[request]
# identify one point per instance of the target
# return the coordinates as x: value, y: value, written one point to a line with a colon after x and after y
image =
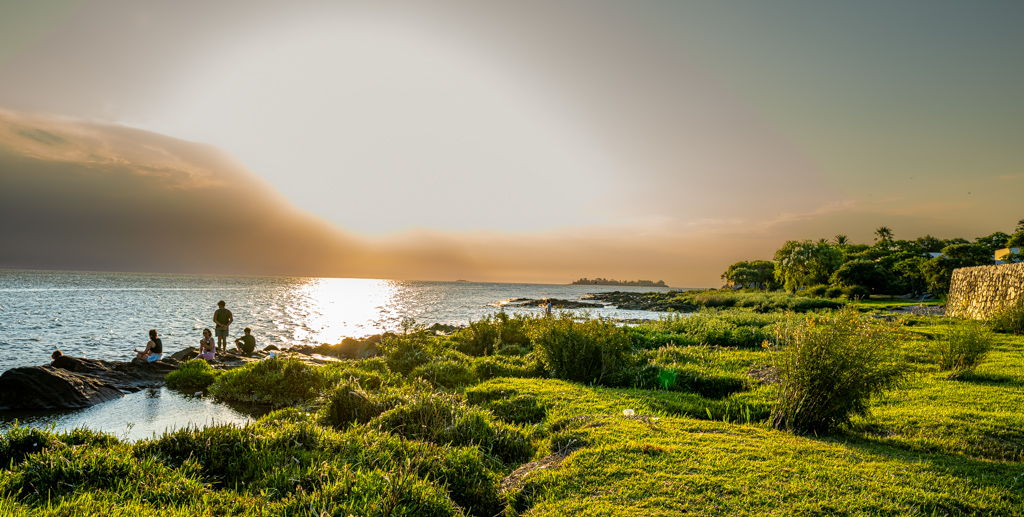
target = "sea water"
x: 106, y: 315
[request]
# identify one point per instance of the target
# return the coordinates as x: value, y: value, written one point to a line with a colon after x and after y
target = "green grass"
x: 192, y: 375
x: 373, y: 438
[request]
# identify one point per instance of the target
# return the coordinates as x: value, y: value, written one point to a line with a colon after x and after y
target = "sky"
x: 535, y: 141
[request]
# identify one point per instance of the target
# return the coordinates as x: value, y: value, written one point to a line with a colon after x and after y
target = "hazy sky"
x: 682, y: 135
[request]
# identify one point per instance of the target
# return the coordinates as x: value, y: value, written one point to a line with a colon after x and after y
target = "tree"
x: 804, y: 263
x: 860, y: 272
x: 1020, y: 226
x: 758, y: 274
x: 930, y: 244
x: 1016, y: 240
x: 910, y: 273
x: 939, y: 270
x: 841, y: 240
x: 883, y: 234
x: 994, y: 242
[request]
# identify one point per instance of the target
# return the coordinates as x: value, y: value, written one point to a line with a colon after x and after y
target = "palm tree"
x: 884, y: 233
x: 841, y: 240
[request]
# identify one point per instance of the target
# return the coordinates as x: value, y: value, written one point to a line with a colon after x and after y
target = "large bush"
x: 587, y: 351
x: 829, y: 367
x: 495, y: 333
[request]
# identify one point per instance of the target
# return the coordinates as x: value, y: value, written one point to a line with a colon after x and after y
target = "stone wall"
x: 977, y: 292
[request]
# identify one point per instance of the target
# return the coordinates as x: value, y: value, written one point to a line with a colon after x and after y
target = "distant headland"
x: 605, y: 281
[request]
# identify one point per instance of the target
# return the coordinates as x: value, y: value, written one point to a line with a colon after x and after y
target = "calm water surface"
x: 105, y: 315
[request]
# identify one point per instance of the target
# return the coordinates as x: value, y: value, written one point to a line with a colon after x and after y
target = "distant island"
x: 605, y: 281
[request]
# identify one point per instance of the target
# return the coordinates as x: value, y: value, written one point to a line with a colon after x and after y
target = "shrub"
x: 833, y: 292
x: 404, y: 352
x: 961, y: 348
x: 829, y: 367
x: 495, y: 333
x: 817, y: 291
x: 276, y: 381
x: 1009, y: 319
x: 589, y: 351
x: 857, y: 292
x: 192, y: 375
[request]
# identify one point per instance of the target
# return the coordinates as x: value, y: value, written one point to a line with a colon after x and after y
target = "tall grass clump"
x: 829, y: 367
x: 1009, y: 319
x: 961, y: 348
x: 449, y: 370
x: 195, y: 374
x: 276, y: 381
x: 585, y: 351
x: 489, y: 367
x: 498, y: 333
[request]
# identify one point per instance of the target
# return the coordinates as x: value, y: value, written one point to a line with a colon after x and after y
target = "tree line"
x: 888, y: 266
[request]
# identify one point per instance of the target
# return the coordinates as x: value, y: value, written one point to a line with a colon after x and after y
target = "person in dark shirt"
x: 154, y: 349
x: 246, y: 343
x: 223, y: 319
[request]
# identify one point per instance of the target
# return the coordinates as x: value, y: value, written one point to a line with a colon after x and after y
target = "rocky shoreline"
x: 653, y: 301
x: 76, y: 383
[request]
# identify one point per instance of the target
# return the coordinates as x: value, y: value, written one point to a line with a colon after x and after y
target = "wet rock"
x: 555, y: 303
x: 46, y: 387
x: 186, y: 354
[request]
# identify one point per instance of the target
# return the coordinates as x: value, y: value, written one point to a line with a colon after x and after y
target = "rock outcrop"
x: 72, y: 383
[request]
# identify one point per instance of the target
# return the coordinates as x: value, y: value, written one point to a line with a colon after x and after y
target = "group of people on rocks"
x: 222, y: 319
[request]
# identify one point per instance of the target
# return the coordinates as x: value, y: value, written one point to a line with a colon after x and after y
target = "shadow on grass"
x: 1006, y: 477
x: 991, y: 379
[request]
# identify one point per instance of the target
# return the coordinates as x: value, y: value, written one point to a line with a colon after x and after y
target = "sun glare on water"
x: 345, y: 307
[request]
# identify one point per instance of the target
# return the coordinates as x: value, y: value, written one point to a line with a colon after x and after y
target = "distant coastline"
x: 632, y: 283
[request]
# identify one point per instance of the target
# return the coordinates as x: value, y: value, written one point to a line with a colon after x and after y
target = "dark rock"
x: 186, y: 354
x: 73, y: 382
x: 271, y: 348
x: 653, y: 301
x: 555, y: 303
x: 47, y: 387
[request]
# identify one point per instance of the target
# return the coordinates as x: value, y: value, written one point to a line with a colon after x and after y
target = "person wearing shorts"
x: 223, y: 319
x: 154, y: 349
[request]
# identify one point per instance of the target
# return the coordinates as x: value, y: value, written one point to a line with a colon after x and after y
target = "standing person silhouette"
x: 222, y: 318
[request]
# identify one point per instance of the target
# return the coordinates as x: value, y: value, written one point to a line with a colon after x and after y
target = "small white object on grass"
x: 627, y: 412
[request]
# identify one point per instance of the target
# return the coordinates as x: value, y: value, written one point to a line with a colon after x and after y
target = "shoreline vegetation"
x: 754, y: 403
x: 631, y: 283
